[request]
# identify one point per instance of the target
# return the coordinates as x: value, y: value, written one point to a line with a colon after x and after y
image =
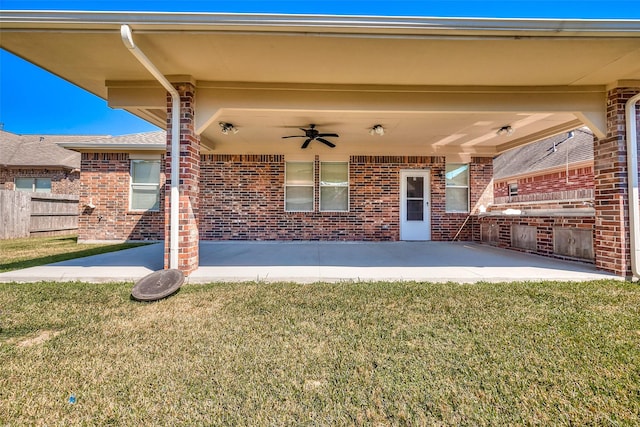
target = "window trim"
x: 467, y: 187
x: 510, y: 189
x: 348, y: 187
x: 146, y: 184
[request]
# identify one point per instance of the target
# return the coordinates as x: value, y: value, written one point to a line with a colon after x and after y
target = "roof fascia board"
x: 206, y: 84
x: 51, y: 167
x: 327, y: 24
x: 99, y: 147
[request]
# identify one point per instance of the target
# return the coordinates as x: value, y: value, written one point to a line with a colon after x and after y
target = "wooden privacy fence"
x: 37, y: 214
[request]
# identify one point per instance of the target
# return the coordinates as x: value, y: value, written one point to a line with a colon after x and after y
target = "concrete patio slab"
x: 307, y: 262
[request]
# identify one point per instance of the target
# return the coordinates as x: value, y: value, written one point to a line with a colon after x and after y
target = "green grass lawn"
x: 30, y: 252
x: 322, y: 354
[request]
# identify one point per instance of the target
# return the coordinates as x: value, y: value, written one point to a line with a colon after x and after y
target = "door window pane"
x: 415, y: 187
x: 415, y: 198
x: 415, y: 210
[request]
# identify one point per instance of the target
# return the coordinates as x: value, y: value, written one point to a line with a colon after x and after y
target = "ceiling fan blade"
x: 306, y: 143
x: 294, y: 136
x: 333, y: 135
x: 324, y: 141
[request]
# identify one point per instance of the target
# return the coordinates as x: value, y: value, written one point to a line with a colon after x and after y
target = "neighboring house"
x: 544, y: 197
x: 557, y: 168
x: 421, y: 107
x: 37, y: 163
x: 120, y: 187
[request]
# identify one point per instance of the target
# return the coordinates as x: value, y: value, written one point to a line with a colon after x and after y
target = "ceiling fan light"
x: 376, y: 130
x: 505, y: 130
x: 225, y: 128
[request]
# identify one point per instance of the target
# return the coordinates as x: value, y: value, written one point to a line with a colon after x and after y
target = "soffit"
x: 89, y: 60
x: 447, y: 134
x: 86, y: 49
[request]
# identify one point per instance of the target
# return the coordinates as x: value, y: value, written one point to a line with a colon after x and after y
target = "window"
x: 145, y: 185
x: 334, y: 186
x: 457, y: 187
x: 34, y: 185
x: 513, y: 189
x: 298, y: 187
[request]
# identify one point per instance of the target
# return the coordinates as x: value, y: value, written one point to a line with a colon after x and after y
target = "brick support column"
x: 189, y: 182
x: 612, y: 232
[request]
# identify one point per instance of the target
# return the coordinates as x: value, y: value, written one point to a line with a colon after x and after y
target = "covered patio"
x: 308, y: 262
x: 449, y: 94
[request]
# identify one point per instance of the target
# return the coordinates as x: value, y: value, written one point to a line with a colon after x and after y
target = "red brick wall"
x: 105, y: 181
x: 62, y: 182
x: 612, y: 246
x: 579, y: 178
x: 189, y: 185
x: 544, y: 230
x: 242, y: 198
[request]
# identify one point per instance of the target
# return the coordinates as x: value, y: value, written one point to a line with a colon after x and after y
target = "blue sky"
x: 30, y: 98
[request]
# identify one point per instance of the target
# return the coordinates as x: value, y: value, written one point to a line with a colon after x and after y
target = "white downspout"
x: 632, y: 172
x: 127, y: 39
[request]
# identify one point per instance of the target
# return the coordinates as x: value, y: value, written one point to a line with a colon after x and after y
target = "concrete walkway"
x: 306, y: 262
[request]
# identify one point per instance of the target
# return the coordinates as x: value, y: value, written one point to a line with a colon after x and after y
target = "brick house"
x: 414, y: 111
x: 37, y: 163
x: 544, y: 197
x: 556, y: 168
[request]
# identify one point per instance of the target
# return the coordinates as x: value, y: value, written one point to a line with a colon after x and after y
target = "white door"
x: 415, y: 212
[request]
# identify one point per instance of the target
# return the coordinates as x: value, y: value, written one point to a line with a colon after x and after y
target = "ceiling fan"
x: 313, y: 134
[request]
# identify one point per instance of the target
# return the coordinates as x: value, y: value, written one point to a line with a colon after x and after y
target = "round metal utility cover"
x: 157, y: 285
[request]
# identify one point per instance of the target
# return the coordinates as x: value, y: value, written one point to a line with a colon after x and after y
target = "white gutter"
x: 322, y: 24
x: 127, y: 39
x: 632, y: 173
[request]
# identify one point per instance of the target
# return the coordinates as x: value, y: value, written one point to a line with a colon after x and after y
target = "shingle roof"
x: 56, y: 150
x: 39, y: 151
x: 539, y: 156
x: 147, y: 140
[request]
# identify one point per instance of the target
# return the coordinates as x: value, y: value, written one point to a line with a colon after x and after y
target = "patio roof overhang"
x: 439, y: 86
